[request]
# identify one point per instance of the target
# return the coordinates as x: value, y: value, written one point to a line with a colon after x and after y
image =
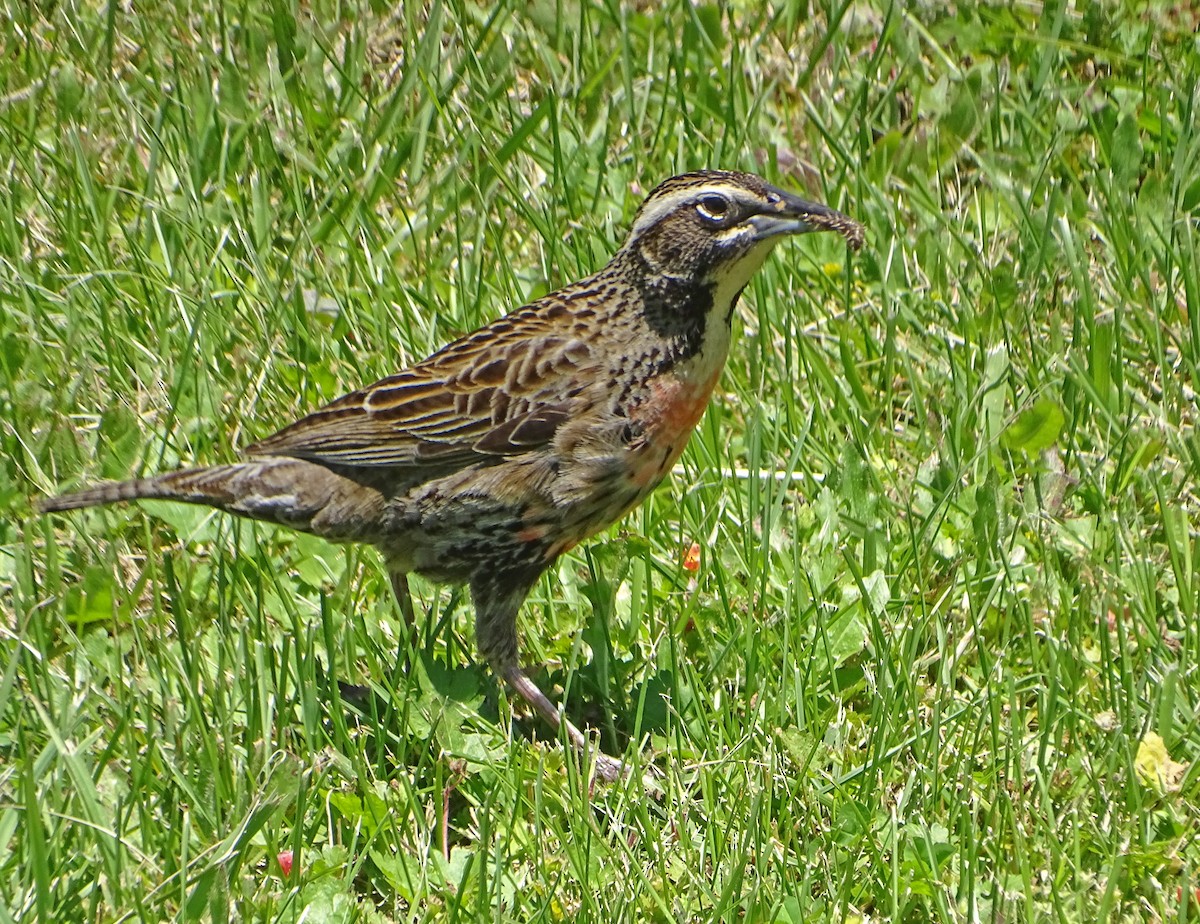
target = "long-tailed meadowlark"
x: 488, y: 460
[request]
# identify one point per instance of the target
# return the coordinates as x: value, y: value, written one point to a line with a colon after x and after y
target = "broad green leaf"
x: 1036, y: 428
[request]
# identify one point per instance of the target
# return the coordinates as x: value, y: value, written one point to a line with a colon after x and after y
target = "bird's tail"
x: 195, y: 486
x: 291, y: 492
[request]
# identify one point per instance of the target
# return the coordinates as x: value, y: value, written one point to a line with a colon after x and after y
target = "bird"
x: 484, y: 463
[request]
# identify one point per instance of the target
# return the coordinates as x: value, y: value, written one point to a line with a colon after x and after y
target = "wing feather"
x: 503, y: 390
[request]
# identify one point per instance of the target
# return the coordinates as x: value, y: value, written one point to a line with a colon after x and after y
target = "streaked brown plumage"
x: 485, y: 462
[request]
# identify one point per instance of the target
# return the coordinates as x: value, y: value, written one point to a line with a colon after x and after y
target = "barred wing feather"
x: 476, y: 398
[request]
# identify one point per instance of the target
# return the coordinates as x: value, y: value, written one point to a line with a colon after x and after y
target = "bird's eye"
x: 714, y: 208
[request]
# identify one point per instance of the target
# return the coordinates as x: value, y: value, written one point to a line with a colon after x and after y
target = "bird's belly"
x: 610, y: 485
x: 503, y: 512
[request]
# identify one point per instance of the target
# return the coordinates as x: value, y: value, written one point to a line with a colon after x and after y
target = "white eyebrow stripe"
x: 666, y: 204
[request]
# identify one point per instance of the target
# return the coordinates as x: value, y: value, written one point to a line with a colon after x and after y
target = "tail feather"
x: 193, y: 486
x: 290, y: 492
x: 108, y: 492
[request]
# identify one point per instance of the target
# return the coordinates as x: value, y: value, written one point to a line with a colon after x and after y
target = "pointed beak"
x: 786, y: 213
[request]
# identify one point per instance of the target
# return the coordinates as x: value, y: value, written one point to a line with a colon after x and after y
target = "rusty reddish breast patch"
x: 668, y: 418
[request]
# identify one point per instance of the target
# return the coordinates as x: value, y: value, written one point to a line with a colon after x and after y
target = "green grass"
x: 946, y: 500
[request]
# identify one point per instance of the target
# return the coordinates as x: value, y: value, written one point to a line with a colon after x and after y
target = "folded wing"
x: 501, y: 391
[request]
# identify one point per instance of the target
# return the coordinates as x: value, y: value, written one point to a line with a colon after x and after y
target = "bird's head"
x: 714, y: 225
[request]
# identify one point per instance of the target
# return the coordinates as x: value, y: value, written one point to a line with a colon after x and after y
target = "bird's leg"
x: 608, y: 768
x: 497, y: 599
x: 404, y: 601
x: 403, y: 596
